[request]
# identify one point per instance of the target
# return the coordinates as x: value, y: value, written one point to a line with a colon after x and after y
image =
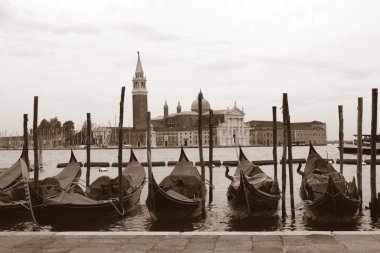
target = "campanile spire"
x: 139, y: 97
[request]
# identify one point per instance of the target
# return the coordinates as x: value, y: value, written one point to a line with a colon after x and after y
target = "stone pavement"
x: 107, y: 242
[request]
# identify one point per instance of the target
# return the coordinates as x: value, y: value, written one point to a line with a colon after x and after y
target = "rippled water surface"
x: 218, y: 212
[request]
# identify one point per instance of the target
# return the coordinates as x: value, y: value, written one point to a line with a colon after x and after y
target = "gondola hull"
x: 68, y: 214
x: 247, y: 201
x: 19, y: 210
x: 332, y: 207
x: 164, y: 207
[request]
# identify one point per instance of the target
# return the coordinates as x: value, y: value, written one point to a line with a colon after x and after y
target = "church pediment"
x: 235, y: 111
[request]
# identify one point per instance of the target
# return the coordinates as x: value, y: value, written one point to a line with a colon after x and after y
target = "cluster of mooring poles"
x: 287, y: 139
x: 88, y: 145
x: 373, y: 203
x: 287, y: 157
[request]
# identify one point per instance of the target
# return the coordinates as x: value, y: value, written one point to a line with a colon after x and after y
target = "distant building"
x: 101, y: 136
x: 181, y: 128
x: 302, y: 133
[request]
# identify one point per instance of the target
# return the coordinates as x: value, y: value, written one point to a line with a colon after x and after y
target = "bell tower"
x: 139, y: 97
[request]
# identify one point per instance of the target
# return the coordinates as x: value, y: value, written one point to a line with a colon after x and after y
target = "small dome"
x: 205, y: 105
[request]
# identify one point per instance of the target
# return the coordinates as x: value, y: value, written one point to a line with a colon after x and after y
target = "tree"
x: 68, y: 130
x: 55, y: 125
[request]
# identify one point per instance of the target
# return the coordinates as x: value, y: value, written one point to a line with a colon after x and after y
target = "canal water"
x: 218, y: 213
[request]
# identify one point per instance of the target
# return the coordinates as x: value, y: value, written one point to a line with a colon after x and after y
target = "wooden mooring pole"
x: 200, y: 98
x: 120, y: 149
x: 359, y: 151
x: 88, y: 149
x: 341, y: 137
x: 274, y: 111
x: 283, y: 171
x: 290, y: 155
x: 373, y: 152
x: 210, y: 155
x: 26, y: 141
x: 35, y: 143
x: 149, y: 152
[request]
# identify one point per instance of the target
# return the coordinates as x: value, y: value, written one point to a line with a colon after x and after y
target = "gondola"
x: 99, y: 204
x: 178, y: 196
x: 251, y: 193
x: 13, y: 203
x: 325, y: 193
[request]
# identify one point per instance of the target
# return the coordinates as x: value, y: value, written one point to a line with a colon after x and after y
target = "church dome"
x: 205, y: 105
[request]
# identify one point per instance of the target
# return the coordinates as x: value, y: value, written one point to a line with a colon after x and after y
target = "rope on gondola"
x: 116, y: 208
x: 24, y: 205
x: 208, y: 182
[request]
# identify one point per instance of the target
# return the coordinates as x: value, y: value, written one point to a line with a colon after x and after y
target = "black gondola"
x: 99, y: 205
x: 178, y: 196
x: 13, y: 203
x: 252, y: 193
x: 325, y: 193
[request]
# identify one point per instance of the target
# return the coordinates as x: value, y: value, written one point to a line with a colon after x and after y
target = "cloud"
x: 223, y: 65
x: 6, y: 12
x: 146, y: 32
x: 322, y: 66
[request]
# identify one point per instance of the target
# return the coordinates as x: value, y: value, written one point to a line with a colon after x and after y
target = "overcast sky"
x: 76, y: 55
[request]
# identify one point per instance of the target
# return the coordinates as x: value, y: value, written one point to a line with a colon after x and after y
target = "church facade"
x: 181, y: 128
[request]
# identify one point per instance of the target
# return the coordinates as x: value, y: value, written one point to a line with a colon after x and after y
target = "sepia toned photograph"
x: 189, y: 126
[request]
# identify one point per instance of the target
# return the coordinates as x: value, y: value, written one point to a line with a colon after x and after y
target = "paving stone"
x: 292, y: 240
x: 233, y: 245
x: 362, y: 243
x: 208, y: 237
x: 338, y: 247
x: 137, y: 246
x: 92, y: 250
x: 105, y: 241
x: 264, y: 244
x: 198, y: 251
x: 322, y: 239
x: 202, y: 245
x: 168, y: 247
x: 36, y: 242
x: 130, y: 251
x: 174, y: 242
x: 11, y: 242
x: 331, y: 251
x: 233, y: 251
x: 256, y: 238
x: 376, y: 237
x: 235, y: 238
x: 144, y: 239
x: 164, y: 251
x: 65, y: 243
x: 54, y: 250
x: 299, y: 249
x: 20, y: 250
x: 204, y: 239
x: 267, y: 249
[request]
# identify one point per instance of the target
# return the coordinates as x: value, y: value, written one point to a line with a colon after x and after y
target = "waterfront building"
x: 261, y: 133
x: 101, y: 136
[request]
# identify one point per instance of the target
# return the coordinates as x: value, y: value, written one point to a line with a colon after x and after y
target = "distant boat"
x: 366, y: 146
x: 102, y: 169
